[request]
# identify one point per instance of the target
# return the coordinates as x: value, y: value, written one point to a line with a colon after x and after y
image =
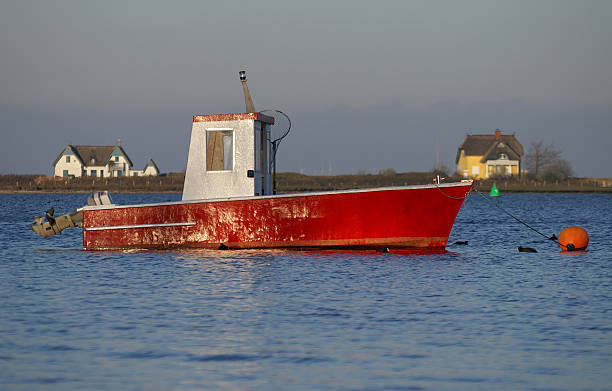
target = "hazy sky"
x: 368, y: 85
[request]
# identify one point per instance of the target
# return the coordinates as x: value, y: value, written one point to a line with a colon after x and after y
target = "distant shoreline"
x: 288, y: 182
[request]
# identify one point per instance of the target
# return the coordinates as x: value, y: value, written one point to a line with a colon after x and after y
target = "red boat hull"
x: 396, y: 218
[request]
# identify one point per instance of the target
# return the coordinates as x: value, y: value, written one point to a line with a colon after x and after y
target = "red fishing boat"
x: 229, y: 202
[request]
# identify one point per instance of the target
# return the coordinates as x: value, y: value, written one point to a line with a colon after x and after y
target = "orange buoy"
x: 573, y: 238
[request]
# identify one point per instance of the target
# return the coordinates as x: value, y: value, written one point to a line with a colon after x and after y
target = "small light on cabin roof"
x: 242, y: 75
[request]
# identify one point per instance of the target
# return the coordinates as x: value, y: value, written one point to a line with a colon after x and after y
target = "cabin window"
x: 67, y: 159
x: 219, y: 150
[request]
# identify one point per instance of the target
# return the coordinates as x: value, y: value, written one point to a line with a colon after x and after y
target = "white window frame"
x: 233, y: 153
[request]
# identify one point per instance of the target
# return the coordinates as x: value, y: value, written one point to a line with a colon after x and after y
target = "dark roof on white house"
x: 151, y: 163
x: 93, y: 155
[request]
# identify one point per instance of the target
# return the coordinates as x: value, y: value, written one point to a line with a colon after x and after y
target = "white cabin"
x: 229, y: 156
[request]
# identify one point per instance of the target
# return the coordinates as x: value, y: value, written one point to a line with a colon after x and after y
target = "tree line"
x: 544, y: 162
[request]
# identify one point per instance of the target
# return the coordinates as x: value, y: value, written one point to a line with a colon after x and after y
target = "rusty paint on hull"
x: 396, y: 218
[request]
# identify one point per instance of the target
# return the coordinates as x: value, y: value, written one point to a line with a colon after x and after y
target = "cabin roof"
x: 233, y: 117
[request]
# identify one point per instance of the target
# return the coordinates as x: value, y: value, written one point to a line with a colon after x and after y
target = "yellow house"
x: 481, y: 156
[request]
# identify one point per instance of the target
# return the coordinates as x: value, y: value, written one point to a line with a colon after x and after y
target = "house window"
x: 135, y: 174
x: 503, y: 156
x: 116, y: 158
x: 67, y: 159
x: 65, y: 173
x: 83, y: 173
x: 92, y: 173
x: 119, y: 173
x: 101, y: 173
x: 475, y: 170
x: 219, y: 150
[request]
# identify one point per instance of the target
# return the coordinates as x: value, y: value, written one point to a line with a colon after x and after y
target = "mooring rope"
x: 553, y: 237
x: 450, y: 196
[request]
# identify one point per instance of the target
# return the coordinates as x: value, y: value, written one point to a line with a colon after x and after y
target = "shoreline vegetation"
x: 289, y: 182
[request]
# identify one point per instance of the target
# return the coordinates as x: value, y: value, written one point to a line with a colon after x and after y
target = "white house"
x: 98, y: 161
x: 149, y: 170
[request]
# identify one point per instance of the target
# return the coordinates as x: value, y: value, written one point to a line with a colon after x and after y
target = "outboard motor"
x: 55, y: 225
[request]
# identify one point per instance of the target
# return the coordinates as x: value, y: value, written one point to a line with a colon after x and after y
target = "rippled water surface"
x: 478, y: 317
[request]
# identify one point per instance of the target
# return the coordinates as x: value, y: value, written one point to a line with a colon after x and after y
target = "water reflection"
x: 479, y: 316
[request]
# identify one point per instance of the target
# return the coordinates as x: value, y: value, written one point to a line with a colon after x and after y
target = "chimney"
x: 119, y: 143
x: 250, y: 108
x: 498, y: 134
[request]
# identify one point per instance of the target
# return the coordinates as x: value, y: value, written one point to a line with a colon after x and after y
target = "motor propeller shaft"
x: 55, y: 225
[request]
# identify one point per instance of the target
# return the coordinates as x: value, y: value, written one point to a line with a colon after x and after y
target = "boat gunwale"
x: 287, y: 195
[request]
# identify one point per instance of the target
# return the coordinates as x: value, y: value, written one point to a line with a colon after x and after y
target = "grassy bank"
x: 288, y: 182
x: 572, y: 185
x: 169, y: 183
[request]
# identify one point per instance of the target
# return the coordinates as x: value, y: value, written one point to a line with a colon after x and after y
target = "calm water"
x: 479, y: 317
